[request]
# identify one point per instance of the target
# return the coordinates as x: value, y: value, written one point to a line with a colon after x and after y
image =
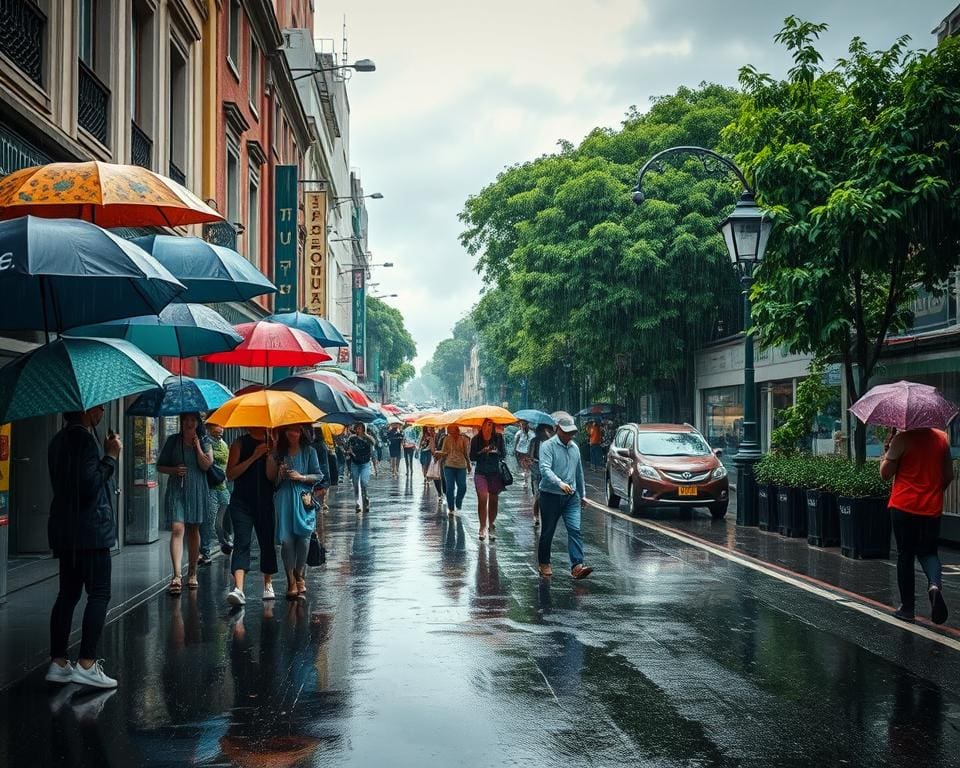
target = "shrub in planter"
x: 794, y: 475
x: 862, y: 504
x: 823, y: 517
x: 766, y: 474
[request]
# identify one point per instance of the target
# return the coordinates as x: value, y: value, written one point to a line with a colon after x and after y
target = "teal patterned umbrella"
x: 73, y: 374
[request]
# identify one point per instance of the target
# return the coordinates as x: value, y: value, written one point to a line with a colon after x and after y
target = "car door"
x: 618, y: 463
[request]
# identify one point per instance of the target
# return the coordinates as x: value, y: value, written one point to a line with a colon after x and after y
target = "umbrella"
x: 318, y: 392
x: 599, y: 409
x: 271, y: 345
x: 474, y: 417
x: 904, y: 405
x: 102, y: 193
x: 74, y: 374
x: 267, y: 408
x: 346, y: 418
x: 341, y: 384
x: 535, y: 418
x: 210, y: 272
x: 61, y: 273
x: 181, y: 394
x: 180, y: 330
x: 439, y: 419
x: 390, y: 408
x: 320, y: 329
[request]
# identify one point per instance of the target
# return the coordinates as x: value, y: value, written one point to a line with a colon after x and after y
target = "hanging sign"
x: 315, y: 266
x: 285, y: 238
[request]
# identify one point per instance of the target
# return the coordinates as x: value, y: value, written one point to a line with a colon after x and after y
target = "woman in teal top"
x: 294, y: 469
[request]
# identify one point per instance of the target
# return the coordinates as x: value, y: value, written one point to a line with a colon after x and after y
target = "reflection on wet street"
x: 418, y: 645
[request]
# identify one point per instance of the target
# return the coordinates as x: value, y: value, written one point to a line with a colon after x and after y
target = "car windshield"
x: 672, y: 444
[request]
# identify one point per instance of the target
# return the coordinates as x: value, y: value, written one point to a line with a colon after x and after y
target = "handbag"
x: 215, y: 476
x: 506, y: 476
x: 316, y: 553
x: 433, y: 471
x: 306, y: 498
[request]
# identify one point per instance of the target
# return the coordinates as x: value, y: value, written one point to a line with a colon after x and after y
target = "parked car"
x: 665, y: 465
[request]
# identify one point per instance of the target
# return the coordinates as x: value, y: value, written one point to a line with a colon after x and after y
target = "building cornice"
x: 235, y: 119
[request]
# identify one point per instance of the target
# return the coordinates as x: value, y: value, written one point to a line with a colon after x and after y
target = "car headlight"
x: 720, y: 472
x: 648, y: 472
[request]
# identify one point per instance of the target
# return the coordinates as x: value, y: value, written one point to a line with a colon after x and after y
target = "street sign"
x: 315, y: 277
x: 359, y: 322
x: 285, y: 240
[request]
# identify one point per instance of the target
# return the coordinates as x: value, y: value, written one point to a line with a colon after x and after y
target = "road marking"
x: 827, y: 592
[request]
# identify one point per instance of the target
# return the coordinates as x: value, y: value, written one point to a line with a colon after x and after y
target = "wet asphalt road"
x: 420, y: 646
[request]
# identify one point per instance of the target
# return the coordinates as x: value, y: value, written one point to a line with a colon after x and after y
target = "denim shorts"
x: 488, y: 483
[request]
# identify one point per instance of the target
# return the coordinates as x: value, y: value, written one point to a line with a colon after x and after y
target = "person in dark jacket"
x: 487, y: 450
x: 81, y: 531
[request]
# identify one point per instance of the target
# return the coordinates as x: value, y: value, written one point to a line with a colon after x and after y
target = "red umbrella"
x: 904, y: 405
x: 271, y: 345
x: 390, y: 408
x: 341, y: 384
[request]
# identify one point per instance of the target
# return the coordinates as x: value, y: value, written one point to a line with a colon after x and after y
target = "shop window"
x: 723, y: 419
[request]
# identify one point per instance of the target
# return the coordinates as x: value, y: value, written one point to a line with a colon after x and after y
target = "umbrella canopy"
x: 341, y: 384
x: 180, y: 330
x: 904, y: 405
x: 599, y: 409
x: 318, y: 392
x: 535, y: 418
x: 210, y: 272
x: 474, y: 417
x: 346, y: 418
x: 181, y: 394
x: 271, y: 345
x: 63, y: 273
x: 74, y: 375
x: 102, y: 193
x: 320, y: 329
x: 390, y: 408
x: 439, y: 419
x: 267, y: 408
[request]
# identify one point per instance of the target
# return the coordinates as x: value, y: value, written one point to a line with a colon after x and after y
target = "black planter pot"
x: 823, y: 519
x: 791, y: 512
x: 864, y: 527
x: 767, y: 507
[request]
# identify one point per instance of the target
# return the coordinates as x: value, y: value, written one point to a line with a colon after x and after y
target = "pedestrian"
x: 328, y: 452
x: 487, y: 450
x: 360, y: 449
x: 251, y: 511
x: 521, y: 448
x: 81, y: 532
x: 439, y: 435
x: 409, y: 446
x: 185, y: 457
x: 562, y: 495
x: 542, y: 434
x: 377, y: 450
x: 455, y: 455
x: 217, y: 523
x: 919, y: 462
x: 395, y: 441
x: 595, y: 436
x: 294, y: 469
x: 426, y: 448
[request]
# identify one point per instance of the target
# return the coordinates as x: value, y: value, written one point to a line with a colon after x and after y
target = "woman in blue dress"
x: 294, y: 470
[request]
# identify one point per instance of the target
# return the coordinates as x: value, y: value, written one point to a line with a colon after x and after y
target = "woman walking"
x: 395, y: 441
x: 427, y: 447
x: 251, y: 511
x: 219, y: 520
x: 543, y: 433
x: 455, y: 455
x: 295, y: 470
x: 409, y: 446
x: 186, y: 457
x: 487, y: 449
x: 360, y: 448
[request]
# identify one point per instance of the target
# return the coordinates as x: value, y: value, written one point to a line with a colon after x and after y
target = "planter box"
x: 767, y: 507
x: 791, y: 512
x: 823, y: 519
x: 864, y: 528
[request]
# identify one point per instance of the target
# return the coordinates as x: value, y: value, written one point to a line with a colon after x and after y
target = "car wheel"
x: 718, y: 511
x: 636, y: 508
x: 613, y: 500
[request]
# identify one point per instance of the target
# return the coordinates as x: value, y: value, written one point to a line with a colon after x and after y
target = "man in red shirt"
x: 920, y: 464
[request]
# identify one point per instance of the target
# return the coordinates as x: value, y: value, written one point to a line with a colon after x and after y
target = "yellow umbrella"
x: 267, y: 408
x: 474, y: 417
x: 435, y: 419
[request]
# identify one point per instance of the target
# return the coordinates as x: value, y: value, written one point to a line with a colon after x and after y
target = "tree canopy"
x: 387, y: 334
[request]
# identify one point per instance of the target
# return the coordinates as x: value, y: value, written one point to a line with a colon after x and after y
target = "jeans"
x: 916, y: 537
x: 293, y: 552
x: 596, y: 456
x: 360, y: 474
x: 455, y: 481
x: 333, y: 468
x: 553, y: 506
x: 83, y: 569
x: 245, y: 522
x: 217, y: 522
x: 408, y: 459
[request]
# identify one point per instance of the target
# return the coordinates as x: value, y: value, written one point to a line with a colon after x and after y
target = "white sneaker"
x: 268, y: 593
x: 236, y: 597
x: 94, y: 677
x: 58, y: 674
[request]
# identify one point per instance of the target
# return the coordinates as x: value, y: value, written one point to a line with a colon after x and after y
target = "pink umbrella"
x: 904, y: 405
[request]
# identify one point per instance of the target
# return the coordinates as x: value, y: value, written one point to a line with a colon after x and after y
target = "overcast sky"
x: 464, y: 89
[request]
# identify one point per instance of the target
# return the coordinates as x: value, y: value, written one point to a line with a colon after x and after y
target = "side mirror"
x: 718, y: 452
x: 622, y: 451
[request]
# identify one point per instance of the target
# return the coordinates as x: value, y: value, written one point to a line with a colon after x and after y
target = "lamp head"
x: 377, y: 196
x: 747, y: 231
x: 364, y: 65
x: 637, y: 196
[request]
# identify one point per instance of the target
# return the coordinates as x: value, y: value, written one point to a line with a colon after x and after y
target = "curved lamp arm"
x: 712, y: 163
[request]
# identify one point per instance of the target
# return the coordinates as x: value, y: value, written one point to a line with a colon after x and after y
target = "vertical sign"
x: 315, y: 277
x: 4, y: 475
x: 359, y: 321
x: 285, y: 238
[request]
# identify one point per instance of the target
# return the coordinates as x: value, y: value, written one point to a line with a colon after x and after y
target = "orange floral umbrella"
x: 106, y: 194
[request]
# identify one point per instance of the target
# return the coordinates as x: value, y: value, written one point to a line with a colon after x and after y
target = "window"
x: 233, y: 183
x: 233, y: 32
x: 672, y: 444
x: 252, y: 231
x: 254, y: 74
x: 178, y: 115
x: 88, y: 34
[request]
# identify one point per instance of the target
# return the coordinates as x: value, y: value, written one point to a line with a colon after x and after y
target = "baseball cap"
x: 566, y: 424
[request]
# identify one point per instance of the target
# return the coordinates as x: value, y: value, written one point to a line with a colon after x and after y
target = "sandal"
x: 192, y: 582
x: 176, y: 586
x: 301, y: 587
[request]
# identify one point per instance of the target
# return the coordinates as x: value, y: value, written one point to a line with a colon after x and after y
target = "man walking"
x: 81, y: 532
x: 562, y: 494
x: 596, y: 440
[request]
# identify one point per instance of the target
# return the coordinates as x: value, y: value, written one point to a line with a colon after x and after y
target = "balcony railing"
x: 93, y: 104
x: 141, y: 147
x: 176, y: 174
x: 22, y: 27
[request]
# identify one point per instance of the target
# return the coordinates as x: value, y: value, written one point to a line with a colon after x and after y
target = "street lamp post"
x: 746, y: 232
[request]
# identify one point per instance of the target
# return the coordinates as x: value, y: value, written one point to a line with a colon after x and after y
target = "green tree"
x: 388, y: 336
x: 860, y: 166
x: 451, y: 355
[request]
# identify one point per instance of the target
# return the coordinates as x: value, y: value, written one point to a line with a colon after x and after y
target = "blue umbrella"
x: 74, y: 374
x: 210, y: 272
x: 180, y: 330
x: 60, y: 273
x: 181, y: 395
x: 534, y: 417
x: 319, y: 328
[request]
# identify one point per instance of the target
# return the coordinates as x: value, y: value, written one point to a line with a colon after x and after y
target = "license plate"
x: 687, y: 490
